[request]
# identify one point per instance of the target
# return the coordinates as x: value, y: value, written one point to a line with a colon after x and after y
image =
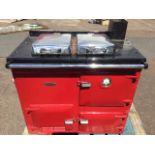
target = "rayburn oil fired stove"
x: 76, y: 82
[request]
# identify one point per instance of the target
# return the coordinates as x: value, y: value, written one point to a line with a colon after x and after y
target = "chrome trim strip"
x: 87, y: 66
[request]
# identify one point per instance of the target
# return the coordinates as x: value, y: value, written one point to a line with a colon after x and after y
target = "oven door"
x: 102, y: 120
x: 107, y: 90
x: 33, y: 90
x: 49, y: 119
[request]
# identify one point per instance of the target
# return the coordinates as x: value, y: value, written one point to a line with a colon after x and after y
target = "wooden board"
x: 134, y: 125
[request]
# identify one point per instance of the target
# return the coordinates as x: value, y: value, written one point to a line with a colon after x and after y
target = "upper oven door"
x: 46, y: 90
x: 107, y: 90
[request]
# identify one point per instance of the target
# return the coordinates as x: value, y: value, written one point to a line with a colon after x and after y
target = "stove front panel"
x: 83, y: 102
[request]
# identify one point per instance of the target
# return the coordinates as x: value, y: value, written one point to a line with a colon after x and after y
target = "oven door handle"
x: 84, y: 84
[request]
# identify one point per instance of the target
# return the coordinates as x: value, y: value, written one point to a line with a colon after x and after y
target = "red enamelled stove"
x: 76, y: 82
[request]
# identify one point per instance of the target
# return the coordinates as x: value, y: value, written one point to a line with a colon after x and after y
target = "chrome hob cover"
x: 59, y: 44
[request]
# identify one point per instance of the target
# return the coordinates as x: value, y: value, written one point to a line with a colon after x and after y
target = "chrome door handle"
x: 84, y: 84
x: 83, y: 122
x: 69, y: 122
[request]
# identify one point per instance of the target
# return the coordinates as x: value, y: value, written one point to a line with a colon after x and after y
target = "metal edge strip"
x: 86, y: 66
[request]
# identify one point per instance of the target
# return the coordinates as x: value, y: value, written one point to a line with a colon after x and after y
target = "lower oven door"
x: 102, y: 120
x: 49, y: 119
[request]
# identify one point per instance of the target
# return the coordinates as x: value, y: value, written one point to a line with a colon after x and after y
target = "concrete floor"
x: 142, y: 35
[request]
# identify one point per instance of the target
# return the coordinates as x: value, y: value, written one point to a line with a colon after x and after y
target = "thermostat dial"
x: 106, y: 82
